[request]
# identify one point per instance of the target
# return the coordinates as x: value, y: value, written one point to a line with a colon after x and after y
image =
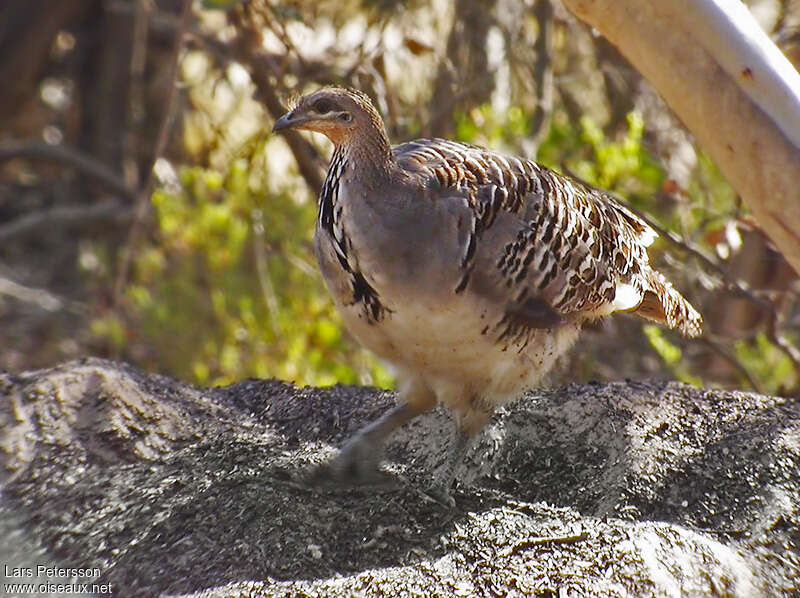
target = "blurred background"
x: 147, y: 213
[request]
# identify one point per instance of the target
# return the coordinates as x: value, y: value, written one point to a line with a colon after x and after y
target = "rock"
x: 617, y: 489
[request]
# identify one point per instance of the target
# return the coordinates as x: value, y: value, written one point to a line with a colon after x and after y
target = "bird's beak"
x: 289, y: 120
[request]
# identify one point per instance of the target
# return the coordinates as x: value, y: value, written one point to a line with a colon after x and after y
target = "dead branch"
x: 39, y: 297
x: 29, y: 225
x: 68, y: 156
x: 542, y: 71
x: 166, y: 24
x: 247, y: 51
x: 143, y: 195
x: 720, y: 350
x: 465, y: 61
x: 543, y: 540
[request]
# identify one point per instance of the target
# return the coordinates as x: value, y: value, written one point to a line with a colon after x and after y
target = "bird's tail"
x: 665, y: 305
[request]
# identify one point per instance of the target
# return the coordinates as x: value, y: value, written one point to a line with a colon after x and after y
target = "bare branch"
x: 62, y: 217
x: 465, y: 61
x: 543, y: 71
x: 543, y: 540
x: 39, y: 297
x: 774, y: 335
x: 248, y: 51
x: 164, y: 23
x: 308, y: 159
x: 720, y: 350
x: 143, y: 195
x: 68, y: 156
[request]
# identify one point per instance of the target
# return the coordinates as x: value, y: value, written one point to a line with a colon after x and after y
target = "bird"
x: 469, y: 272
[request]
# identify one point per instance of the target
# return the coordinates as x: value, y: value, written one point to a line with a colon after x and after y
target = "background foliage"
x: 205, y: 269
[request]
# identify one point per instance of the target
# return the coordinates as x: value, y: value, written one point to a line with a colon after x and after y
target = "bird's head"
x: 340, y: 114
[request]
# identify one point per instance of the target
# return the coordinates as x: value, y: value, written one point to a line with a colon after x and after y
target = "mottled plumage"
x: 469, y: 271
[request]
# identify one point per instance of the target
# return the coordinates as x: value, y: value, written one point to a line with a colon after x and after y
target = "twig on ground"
x: 539, y: 541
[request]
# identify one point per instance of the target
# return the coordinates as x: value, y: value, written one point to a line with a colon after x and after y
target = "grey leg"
x: 440, y: 490
x: 468, y: 424
x: 358, y: 459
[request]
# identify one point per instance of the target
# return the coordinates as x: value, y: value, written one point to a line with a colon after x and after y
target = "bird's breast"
x: 422, y: 324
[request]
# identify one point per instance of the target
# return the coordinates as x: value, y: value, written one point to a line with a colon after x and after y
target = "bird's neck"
x: 369, y: 154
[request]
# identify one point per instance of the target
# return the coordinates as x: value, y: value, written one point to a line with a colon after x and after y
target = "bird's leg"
x: 467, y: 426
x: 357, y: 461
x: 440, y: 490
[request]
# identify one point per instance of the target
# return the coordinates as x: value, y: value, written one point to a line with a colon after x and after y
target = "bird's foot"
x: 356, y: 464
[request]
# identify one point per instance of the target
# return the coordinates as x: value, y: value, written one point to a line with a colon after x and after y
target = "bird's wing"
x: 547, y: 246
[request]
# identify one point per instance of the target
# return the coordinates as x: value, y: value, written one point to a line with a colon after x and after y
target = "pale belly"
x: 456, y: 351
x: 448, y: 341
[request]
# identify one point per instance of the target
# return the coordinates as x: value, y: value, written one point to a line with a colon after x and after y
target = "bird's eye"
x: 346, y: 117
x: 323, y: 106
